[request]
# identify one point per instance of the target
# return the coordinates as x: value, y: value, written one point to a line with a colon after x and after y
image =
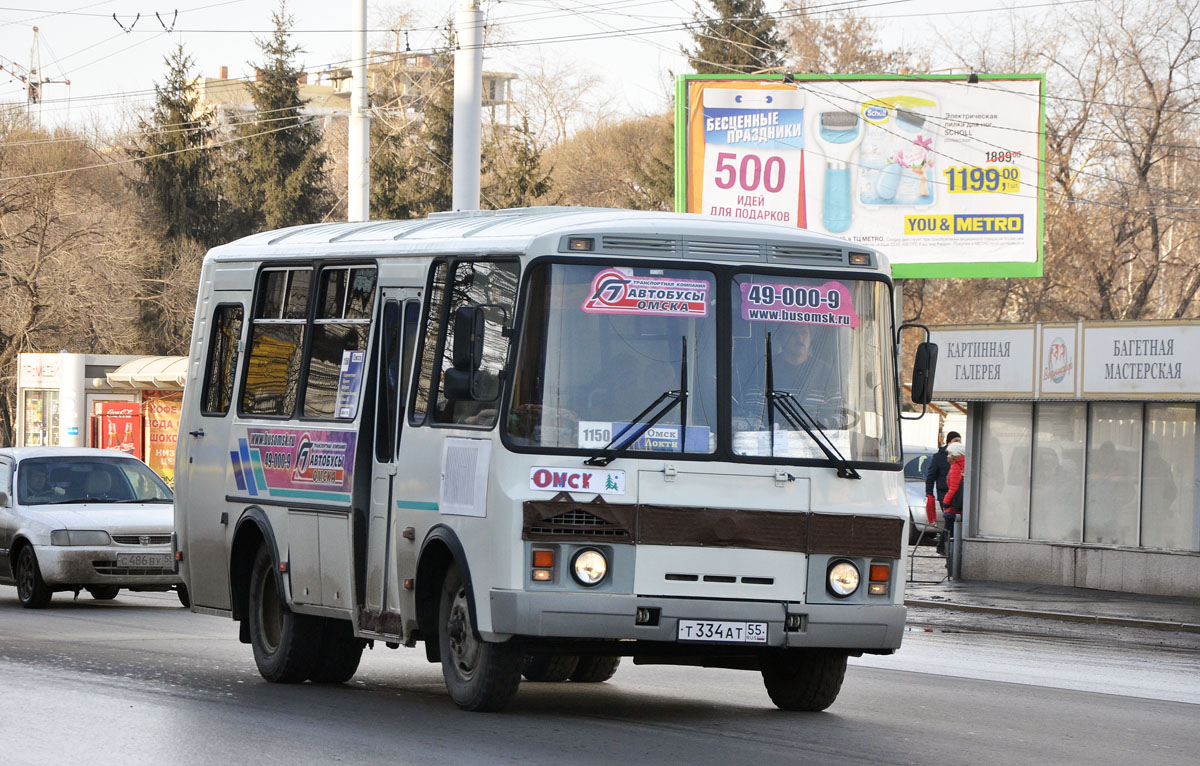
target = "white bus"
x: 542, y: 440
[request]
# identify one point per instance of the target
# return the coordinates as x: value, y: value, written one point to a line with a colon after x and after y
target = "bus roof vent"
x: 732, y: 249
x: 793, y: 253
x: 639, y: 245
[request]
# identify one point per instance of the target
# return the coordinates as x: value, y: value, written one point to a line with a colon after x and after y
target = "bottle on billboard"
x: 110, y: 442
x: 127, y: 439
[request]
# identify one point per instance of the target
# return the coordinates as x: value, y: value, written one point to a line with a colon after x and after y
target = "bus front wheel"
x: 804, y: 679
x: 285, y: 643
x: 480, y: 675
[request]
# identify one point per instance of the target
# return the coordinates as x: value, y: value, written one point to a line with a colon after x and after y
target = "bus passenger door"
x: 400, y: 316
x: 203, y: 465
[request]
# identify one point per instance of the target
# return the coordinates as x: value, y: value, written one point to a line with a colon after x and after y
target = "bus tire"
x: 480, y: 675
x: 185, y: 598
x: 549, y: 668
x: 103, y: 592
x: 340, y: 653
x: 285, y: 643
x: 804, y: 679
x: 32, y: 591
x: 595, y: 670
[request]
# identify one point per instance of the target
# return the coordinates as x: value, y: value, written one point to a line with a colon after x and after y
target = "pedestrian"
x: 936, y: 474
x: 952, y: 502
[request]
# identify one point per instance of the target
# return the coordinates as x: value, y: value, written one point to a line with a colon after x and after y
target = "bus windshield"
x: 830, y: 353
x: 601, y: 343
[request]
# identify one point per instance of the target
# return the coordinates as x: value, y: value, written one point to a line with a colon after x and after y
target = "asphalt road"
x: 142, y: 681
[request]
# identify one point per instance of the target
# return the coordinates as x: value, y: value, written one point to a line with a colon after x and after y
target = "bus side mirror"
x: 924, y: 367
x: 464, y: 380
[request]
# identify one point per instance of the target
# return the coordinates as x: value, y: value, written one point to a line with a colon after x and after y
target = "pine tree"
x: 411, y: 174
x: 177, y: 167
x: 277, y: 175
x: 516, y: 178
x: 740, y: 38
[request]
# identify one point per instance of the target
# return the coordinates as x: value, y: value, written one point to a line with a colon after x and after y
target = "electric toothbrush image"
x: 840, y: 133
x: 897, y: 154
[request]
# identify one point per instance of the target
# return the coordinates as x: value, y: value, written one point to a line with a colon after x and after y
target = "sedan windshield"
x: 76, y: 479
x: 604, y: 347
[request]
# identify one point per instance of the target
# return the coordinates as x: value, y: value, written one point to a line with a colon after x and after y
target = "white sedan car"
x: 77, y: 518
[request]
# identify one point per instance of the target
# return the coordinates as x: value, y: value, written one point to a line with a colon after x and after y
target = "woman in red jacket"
x: 952, y: 501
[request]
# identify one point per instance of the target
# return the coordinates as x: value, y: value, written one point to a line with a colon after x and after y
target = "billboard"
x: 943, y: 175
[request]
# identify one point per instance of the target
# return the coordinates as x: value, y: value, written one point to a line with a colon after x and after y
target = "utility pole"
x: 32, y: 77
x: 358, y: 197
x: 468, y: 109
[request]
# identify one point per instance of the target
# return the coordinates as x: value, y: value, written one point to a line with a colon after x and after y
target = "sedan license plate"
x: 144, y: 560
x: 727, y: 632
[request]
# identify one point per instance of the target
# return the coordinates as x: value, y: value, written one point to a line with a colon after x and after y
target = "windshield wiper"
x: 677, y: 397
x: 798, y: 417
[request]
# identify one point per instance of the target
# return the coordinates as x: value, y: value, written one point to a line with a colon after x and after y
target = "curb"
x: 1126, y: 622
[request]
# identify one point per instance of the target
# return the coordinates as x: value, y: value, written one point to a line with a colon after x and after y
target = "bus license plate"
x: 144, y: 560
x: 728, y: 632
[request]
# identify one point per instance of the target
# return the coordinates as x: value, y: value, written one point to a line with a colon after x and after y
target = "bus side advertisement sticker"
x: 280, y: 462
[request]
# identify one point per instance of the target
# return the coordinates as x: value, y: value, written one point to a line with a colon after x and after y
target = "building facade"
x: 1082, y: 452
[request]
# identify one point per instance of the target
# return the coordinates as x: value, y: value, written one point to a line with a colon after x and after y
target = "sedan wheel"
x: 32, y: 591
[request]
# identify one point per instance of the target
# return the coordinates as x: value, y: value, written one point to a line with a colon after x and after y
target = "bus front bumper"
x: 855, y: 627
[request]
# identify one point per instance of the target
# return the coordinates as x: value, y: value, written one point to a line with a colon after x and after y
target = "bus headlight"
x: 589, y: 567
x: 843, y: 578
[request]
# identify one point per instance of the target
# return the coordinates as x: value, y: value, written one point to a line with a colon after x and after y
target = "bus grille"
x: 578, y: 522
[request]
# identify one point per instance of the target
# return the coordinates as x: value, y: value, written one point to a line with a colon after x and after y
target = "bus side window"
x: 492, y: 284
x: 276, y: 342
x: 337, y: 360
x: 434, y: 318
x: 222, y: 360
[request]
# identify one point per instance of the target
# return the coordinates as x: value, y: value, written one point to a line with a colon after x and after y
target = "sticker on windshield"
x: 596, y: 434
x: 828, y: 304
x: 614, y: 292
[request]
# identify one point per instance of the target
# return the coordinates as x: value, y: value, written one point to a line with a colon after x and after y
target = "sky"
x: 112, y: 51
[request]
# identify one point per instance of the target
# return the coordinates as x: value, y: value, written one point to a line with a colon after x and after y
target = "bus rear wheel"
x: 285, y: 643
x: 340, y: 653
x: 549, y: 667
x: 480, y: 675
x: 595, y: 670
x: 804, y: 679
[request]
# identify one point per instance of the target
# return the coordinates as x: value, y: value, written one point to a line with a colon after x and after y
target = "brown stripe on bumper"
x: 563, y: 519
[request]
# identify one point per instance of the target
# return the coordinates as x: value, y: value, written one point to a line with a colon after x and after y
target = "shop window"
x: 1003, y: 479
x: 41, y: 419
x: 222, y: 360
x: 337, y: 361
x: 1113, y: 474
x: 1168, y: 474
x: 277, y: 342
x: 1056, y: 500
